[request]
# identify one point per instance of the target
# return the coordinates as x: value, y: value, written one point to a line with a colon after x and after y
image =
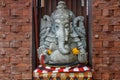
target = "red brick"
x: 3, y: 20
x: 103, y: 21
x: 27, y: 4
x: 116, y: 28
x: 26, y: 76
x: 5, y: 76
x: 117, y: 12
x: 20, y: 67
x: 16, y: 1
x: 106, y: 28
x: 19, y: 36
x: 115, y: 67
x: 117, y: 76
x: 3, y: 4
x: 106, y: 68
x: 15, y: 20
x: 117, y: 43
x: 8, y: 68
x: 24, y: 51
x: 107, y: 0
x: 4, y: 44
x: 15, y: 44
x: 5, y: 12
x: 10, y: 36
x: 108, y: 44
x: 16, y: 28
x: 96, y: 53
x: 97, y: 60
x: 6, y: 52
x: 109, y: 37
x: 97, y: 44
x: 15, y: 60
x: 26, y: 12
x: 105, y: 44
x: 26, y: 44
x: 4, y: 60
x: 3, y: 68
x: 98, y: 28
x: 106, y: 76
x: 106, y: 60
x: 117, y: 59
x: 2, y: 53
x: 3, y: 36
x: 4, y: 28
x: 114, y: 21
x: 26, y: 60
x: 105, y: 12
x: 111, y: 12
x: 16, y: 12
x: 26, y: 28
x: 17, y: 76
x: 97, y: 76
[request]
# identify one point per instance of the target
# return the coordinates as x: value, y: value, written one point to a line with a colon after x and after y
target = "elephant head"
x: 62, y: 19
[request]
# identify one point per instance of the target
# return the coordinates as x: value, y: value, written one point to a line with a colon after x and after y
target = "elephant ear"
x: 45, y: 27
x: 78, y: 24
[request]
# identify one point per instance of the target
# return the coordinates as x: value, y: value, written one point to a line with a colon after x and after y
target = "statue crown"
x: 61, y: 5
x: 61, y: 12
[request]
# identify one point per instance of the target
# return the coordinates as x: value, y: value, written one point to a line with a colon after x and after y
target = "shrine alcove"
x: 46, y: 7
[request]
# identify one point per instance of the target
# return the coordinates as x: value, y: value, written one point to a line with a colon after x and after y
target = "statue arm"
x: 79, y: 28
x: 80, y: 31
x: 44, y: 31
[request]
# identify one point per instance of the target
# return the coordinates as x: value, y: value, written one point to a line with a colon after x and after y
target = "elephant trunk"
x: 63, y: 47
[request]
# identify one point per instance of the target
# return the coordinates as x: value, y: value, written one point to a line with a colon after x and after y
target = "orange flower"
x: 75, y: 51
x: 49, y: 51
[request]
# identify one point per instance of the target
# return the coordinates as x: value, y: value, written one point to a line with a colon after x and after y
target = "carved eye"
x: 56, y: 27
x: 66, y: 25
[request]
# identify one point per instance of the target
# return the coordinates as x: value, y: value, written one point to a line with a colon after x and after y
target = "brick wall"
x: 15, y: 39
x: 106, y: 39
x: 16, y: 32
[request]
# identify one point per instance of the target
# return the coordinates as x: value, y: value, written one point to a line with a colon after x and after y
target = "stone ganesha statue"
x: 62, y: 39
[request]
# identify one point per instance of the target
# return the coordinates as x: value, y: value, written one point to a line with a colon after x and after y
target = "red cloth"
x: 46, y: 69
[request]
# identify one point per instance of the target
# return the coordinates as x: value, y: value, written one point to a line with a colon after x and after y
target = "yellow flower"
x: 75, y: 51
x: 49, y: 51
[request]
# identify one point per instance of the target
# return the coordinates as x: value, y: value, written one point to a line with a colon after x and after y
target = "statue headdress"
x: 62, y: 13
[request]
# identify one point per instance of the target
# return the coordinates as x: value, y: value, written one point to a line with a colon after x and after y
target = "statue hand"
x: 44, y: 57
x: 82, y: 57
